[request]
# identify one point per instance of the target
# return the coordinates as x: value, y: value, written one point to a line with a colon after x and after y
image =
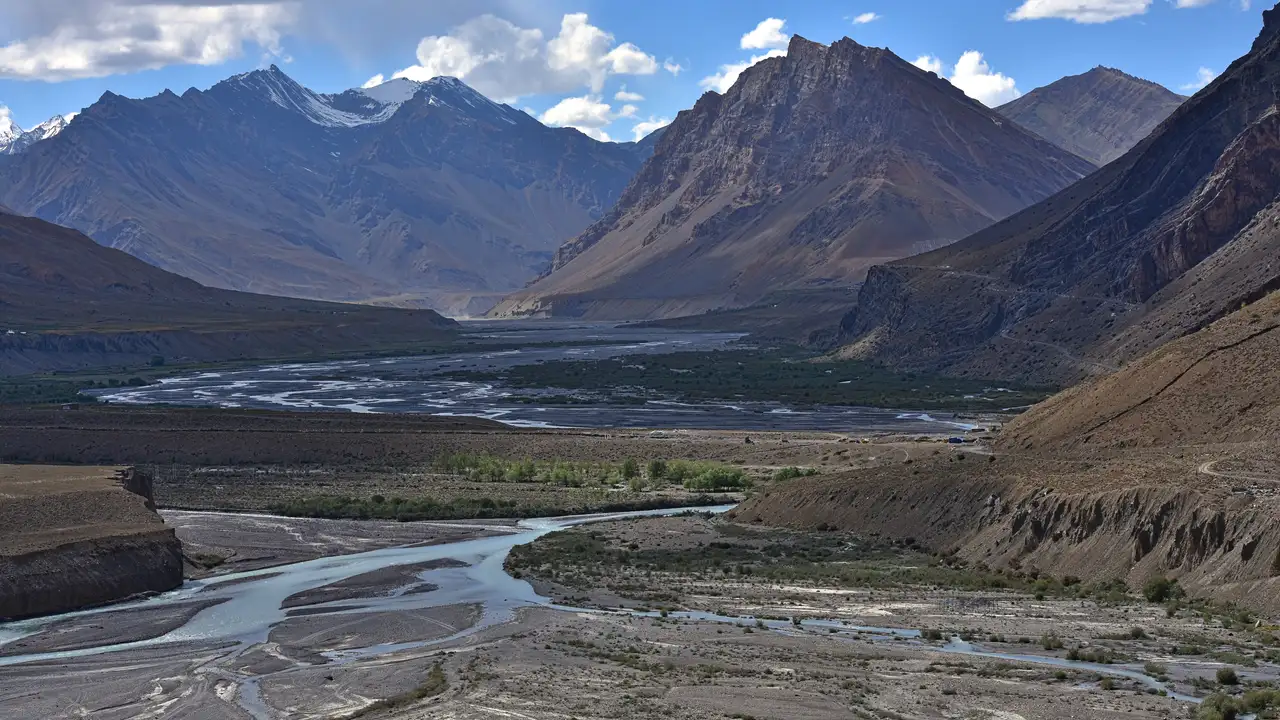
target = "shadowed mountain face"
x: 405, y: 193
x: 68, y: 303
x: 1180, y: 231
x: 812, y: 167
x: 1098, y: 115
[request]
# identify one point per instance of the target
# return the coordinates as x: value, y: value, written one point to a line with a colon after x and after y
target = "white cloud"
x: 506, y: 62
x: 1204, y: 76
x: 865, y: 18
x: 768, y: 34
x: 107, y: 38
x: 974, y: 77
x: 579, y: 112
x: 627, y: 59
x: 728, y: 74
x: 672, y: 66
x: 624, y: 95
x: 929, y: 63
x: 641, y: 129
x: 374, y: 81
x: 588, y: 114
x: 1193, y: 3
x: 1081, y: 11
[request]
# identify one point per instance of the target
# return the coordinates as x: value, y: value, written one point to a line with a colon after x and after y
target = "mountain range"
x: 1098, y: 115
x: 407, y: 193
x: 1181, y: 230
x: 811, y: 168
x: 14, y: 140
x: 67, y: 303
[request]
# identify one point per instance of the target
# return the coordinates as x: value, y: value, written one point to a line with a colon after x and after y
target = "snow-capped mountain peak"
x: 397, y: 91
x: 9, y: 130
x: 12, y: 143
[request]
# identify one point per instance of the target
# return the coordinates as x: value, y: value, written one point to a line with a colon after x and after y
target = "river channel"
x: 420, y: 384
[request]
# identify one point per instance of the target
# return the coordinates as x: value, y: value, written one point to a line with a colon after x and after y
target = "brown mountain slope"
x: 810, y: 168
x: 67, y: 302
x: 1219, y: 385
x: 1098, y: 115
x: 259, y: 184
x: 1166, y: 468
x: 1178, y: 232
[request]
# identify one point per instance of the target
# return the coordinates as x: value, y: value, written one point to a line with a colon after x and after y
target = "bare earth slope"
x: 1098, y: 115
x: 812, y: 167
x: 1167, y: 467
x: 72, y: 537
x: 1219, y: 385
x: 260, y: 185
x: 67, y: 302
x: 1178, y: 232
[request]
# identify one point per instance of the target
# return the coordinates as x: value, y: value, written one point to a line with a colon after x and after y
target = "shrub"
x: 1161, y: 589
x: 630, y: 468
x: 1227, y: 676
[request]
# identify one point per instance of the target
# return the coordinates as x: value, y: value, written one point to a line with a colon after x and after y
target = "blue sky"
x: 613, y: 69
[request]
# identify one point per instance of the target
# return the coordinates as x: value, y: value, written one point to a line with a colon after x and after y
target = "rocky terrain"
x: 1098, y: 115
x: 1166, y: 468
x: 69, y: 303
x: 75, y: 537
x: 15, y: 140
x: 1178, y: 232
x: 811, y: 168
x: 407, y: 194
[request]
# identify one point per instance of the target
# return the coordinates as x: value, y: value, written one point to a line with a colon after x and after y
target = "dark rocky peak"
x: 1270, y: 27
x: 254, y: 91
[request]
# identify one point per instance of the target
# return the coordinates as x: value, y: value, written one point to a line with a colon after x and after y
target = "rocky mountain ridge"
x: 811, y: 168
x: 69, y: 303
x: 1178, y: 232
x: 1098, y: 115
x: 259, y: 184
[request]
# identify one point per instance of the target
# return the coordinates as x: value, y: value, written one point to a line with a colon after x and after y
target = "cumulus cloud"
x: 374, y: 81
x: 505, y: 61
x: 624, y: 95
x: 866, y: 17
x: 588, y: 114
x: 643, y: 128
x: 107, y: 38
x: 671, y: 66
x: 728, y: 74
x: 929, y: 63
x: 1204, y: 76
x: 974, y: 77
x: 1080, y: 11
x: 768, y: 34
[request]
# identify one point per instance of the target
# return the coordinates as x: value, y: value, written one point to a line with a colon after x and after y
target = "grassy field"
x: 778, y: 375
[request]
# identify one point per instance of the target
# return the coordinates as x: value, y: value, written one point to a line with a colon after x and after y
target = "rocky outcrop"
x: 1165, y: 468
x: 1225, y: 546
x: 812, y: 167
x: 77, y: 537
x: 1156, y: 244
x: 1098, y: 115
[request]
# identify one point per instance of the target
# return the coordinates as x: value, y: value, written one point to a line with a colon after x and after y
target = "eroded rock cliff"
x: 73, y: 537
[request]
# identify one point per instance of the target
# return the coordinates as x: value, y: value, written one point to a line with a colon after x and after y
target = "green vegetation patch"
x: 340, y: 507
x: 761, y: 375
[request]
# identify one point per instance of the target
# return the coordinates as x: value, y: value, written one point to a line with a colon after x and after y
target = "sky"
x: 615, y: 70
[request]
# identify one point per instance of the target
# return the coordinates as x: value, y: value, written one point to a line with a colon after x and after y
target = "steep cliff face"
x: 1159, y: 243
x: 1218, y: 544
x: 1098, y: 115
x: 812, y: 167
x: 76, y: 537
